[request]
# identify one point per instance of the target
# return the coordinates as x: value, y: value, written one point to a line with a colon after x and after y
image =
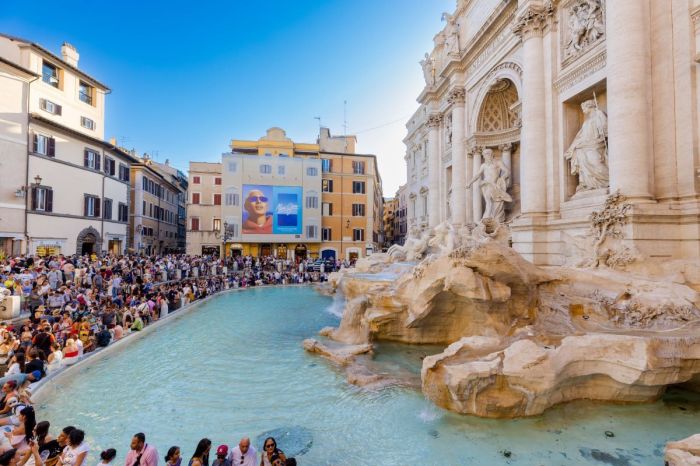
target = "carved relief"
x: 434, y: 120
x: 456, y: 96
x: 531, y: 22
x: 585, y: 26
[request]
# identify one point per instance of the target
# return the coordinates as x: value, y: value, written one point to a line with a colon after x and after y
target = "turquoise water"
x: 236, y: 367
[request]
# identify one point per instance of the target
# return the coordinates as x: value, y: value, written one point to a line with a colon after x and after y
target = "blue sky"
x: 187, y: 77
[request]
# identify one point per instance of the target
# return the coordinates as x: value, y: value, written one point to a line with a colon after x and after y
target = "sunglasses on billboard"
x: 257, y: 199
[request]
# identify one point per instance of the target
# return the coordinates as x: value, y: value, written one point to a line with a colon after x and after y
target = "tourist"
x: 16, y: 365
x: 35, y: 363
x: 44, y: 445
x: 270, y: 450
x: 173, y: 457
x: 138, y: 323
x: 76, y: 451
x: 23, y: 432
x: 243, y: 454
x: 9, y: 458
x: 221, y: 454
x: 107, y: 456
x: 141, y: 453
x: 201, y: 453
x: 55, y: 357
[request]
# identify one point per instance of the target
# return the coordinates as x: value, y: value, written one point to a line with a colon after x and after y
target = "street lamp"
x: 37, y: 180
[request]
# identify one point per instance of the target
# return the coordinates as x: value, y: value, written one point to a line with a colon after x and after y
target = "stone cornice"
x: 578, y: 74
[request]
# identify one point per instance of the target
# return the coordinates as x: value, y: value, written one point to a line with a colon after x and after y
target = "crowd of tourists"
x: 75, y: 305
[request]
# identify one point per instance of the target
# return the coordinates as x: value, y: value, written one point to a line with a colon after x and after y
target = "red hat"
x: 222, y: 450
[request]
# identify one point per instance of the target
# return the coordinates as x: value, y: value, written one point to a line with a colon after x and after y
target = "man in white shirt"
x: 243, y: 454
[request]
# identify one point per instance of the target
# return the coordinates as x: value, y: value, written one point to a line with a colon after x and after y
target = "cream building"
x: 551, y: 106
x: 14, y: 122
x: 65, y: 143
x: 153, y: 222
x: 204, y: 209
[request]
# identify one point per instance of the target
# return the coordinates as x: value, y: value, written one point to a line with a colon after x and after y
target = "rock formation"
x: 684, y: 452
x: 521, y: 338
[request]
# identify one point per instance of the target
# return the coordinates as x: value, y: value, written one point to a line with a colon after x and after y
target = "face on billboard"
x: 271, y: 210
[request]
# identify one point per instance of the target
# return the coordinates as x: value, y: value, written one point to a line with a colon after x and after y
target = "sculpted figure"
x: 444, y: 239
x: 451, y: 34
x: 493, y: 186
x: 585, y: 25
x: 428, y: 65
x: 588, y: 152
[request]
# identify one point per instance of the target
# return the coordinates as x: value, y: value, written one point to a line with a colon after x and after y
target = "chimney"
x: 69, y: 54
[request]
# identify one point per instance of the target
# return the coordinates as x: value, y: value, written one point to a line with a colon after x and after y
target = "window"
x: 312, y: 171
x: 110, y: 165
x: 358, y: 210
x: 280, y: 169
x: 231, y: 230
x: 150, y: 210
x: 326, y: 234
x: 311, y: 231
x: 282, y: 154
x: 107, y: 209
x: 44, y: 145
x: 216, y: 224
x: 312, y: 201
x: 326, y: 165
x: 327, y: 209
x: 123, y: 172
x: 327, y: 186
x: 195, y: 180
x: 91, y: 159
x: 358, y: 187
x: 42, y: 199
x: 49, y: 74
x: 194, y: 224
x: 265, y: 169
x: 358, y: 234
x: 358, y: 168
x: 143, y: 210
x: 217, y: 199
x: 91, y: 206
x: 50, y: 107
x: 231, y: 198
x: 195, y: 198
x: 232, y: 167
x: 86, y: 93
x: 217, y: 180
x: 85, y: 122
x: 123, y: 212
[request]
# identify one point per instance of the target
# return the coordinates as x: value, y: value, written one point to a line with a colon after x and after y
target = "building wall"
x: 151, y: 234
x: 205, y: 210
x: 14, y: 90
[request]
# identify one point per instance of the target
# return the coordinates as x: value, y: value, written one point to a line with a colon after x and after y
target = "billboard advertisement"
x: 269, y: 210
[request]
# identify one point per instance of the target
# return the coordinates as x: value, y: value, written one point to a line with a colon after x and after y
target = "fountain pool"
x: 236, y: 367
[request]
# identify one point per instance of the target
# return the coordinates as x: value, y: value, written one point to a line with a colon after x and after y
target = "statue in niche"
x: 448, y: 129
x: 493, y: 186
x: 586, y: 25
x: 449, y: 203
x: 451, y: 34
x: 588, y: 153
x: 428, y: 65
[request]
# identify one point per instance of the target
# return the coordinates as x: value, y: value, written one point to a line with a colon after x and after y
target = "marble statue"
x: 428, y: 65
x: 493, y: 186
x: 588, y: 153
x: 451, y: 35
x: 445, y: 239
x: 585, y: 25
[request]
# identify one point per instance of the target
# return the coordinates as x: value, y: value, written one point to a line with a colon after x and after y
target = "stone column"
x: 628, y: 97
x: 433, y: 170
x: 506, y: 150
x: 476, y: 189
x: 459, y: 169
x: 532, y: 153
x: 468, y: 201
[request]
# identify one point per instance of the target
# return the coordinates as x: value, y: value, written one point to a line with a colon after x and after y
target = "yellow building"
x: 338, y: 199
x: 390, y: 213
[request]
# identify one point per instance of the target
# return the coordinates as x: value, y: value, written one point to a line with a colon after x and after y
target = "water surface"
x: 236, y: 367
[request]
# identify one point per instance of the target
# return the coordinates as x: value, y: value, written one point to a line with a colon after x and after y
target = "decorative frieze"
x: 456, y: 96
x: 584, y: 27
x: 581, y: 72
x: 434, y: 120
x: 531, y: 23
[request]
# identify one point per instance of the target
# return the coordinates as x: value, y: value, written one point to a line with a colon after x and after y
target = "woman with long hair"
x: 173, y: 458
x: 16, y: 365
x: 201, y: 453
x: 75, y: 451
x: 21, y: 434
x: 270, y: 450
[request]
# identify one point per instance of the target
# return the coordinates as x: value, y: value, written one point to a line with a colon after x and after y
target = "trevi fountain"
x: 553, y: 211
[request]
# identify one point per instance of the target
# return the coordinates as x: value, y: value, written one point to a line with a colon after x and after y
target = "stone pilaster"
x: 506, y: 157
x: 434, y: 121
x: 477, y: 207
x: 530, y: 27
x: 628, y: 98
x: 459, y: 169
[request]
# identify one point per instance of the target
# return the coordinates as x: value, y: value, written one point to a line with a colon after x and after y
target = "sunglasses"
x: 270, y: 445
x: 257, y: 199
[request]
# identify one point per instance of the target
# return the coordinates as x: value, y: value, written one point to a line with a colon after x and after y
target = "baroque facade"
x: 535, y: 112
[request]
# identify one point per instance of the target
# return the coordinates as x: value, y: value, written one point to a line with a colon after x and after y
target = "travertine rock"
x: 684, y: 452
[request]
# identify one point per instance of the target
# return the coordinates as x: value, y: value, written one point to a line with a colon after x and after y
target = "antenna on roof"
x: 345, y: 124
x: 319, y: 124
